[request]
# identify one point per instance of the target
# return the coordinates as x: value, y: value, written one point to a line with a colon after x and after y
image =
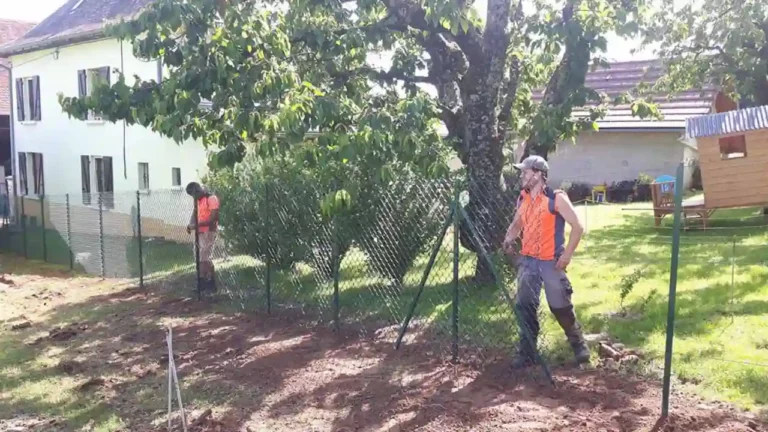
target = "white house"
x: 55, y: 154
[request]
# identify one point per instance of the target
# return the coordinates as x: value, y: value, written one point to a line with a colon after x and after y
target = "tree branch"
x: 386, y: 76
x: 388, y: 22
x: 412, y: 14
x: 514, y: 80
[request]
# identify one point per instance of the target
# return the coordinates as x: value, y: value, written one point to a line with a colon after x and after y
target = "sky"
x: 38, y: 10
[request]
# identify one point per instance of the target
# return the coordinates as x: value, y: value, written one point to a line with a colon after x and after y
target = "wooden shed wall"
x: 735, y: 182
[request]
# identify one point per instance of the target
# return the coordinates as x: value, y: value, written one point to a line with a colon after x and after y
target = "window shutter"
x: 105, y: 73
x: 36, y: 102
x: 23, y: 173
x: 20, y: 99
x: 82, y: 83
x: 85, y: 168
x: 37, y: 173
x: 108, y: 181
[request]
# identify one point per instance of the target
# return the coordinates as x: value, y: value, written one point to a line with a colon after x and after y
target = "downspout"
x: 122, y: 71
x: 11, y: 108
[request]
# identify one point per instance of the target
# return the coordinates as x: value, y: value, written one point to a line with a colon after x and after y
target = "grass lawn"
x: 721, y: 336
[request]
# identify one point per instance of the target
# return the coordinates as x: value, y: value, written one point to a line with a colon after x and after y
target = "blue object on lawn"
x: 669, y: 183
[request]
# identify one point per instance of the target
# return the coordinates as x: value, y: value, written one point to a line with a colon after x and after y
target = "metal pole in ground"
x: 526, y: 334
x: 269, y: 260
x: 455, y: 303
x: 42, y: 219
x: 24, y: 229
x: 672, y: 292
x: 69, y: 238
x: 197, y: 252
x: 101, y: 235
x: 269, y: 285
x: 138, y: 231
x: 424, y: 277
x: 336, y: 263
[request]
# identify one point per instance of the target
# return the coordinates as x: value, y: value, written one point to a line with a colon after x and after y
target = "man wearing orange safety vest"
x: 207, y: 226
x: 541, y: 216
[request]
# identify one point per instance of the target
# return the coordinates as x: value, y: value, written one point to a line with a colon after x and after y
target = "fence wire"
x: 384, y: 264
x: 370, y: 268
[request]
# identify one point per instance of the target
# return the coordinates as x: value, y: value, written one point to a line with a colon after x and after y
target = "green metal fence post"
x: 672, y: 292
x: 455, y: 303
x: 525, y: 330
x: 42, y: 223
x: 141, y: 240
x: 69, y: 238
x: 424, y: 277
x: 269, y: 285
x: 269, y: 259
x: 101, y: 236
x: 197, y: 252
x: 24, y: 229
x: 336, y: 266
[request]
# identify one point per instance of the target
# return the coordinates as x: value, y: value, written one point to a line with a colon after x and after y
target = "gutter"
x: 11, y: 121
x: 53, y: 42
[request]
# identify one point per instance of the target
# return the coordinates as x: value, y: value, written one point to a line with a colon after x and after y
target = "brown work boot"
x: 566, y: 317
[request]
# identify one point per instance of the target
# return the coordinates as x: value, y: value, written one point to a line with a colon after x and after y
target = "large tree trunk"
x: 487, y: 209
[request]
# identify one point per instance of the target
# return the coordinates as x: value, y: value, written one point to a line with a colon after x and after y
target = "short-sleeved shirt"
x: 204, y: 207
x: 543, y: 227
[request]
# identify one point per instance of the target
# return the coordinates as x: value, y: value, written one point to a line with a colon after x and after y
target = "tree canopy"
x: 275, y: 71
x: 717, y: 43
x: 265, y: 74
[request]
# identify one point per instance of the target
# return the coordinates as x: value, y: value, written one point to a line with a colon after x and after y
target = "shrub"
x: 622, y: 191
x: 279, y: 210
x: 579, y: 192
x: 408, y: 215
x: 261, y: 214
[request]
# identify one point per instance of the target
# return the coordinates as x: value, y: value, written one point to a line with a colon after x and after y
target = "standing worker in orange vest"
x: 541, y: 215
x: 207, y: 225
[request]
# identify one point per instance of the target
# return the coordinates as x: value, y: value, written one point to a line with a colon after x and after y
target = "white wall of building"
x: 62, y: 140
x: 606, y: 157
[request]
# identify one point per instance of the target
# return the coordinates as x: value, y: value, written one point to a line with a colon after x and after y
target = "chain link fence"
x: 394, y: 267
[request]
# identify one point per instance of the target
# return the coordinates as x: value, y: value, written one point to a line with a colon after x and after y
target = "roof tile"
x: 76, y: 18
x: 621, y: 77
x: 10, y: 30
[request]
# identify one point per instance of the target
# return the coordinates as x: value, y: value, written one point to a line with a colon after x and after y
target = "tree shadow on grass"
x: 696, y: 309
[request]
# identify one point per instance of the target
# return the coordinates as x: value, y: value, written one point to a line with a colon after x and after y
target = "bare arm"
x: 566, y: 210
x: 513, y: 232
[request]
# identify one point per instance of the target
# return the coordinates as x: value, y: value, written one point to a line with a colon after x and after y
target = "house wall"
x: 606, y: 157
x: 62, y: 140
x: 739, y: 182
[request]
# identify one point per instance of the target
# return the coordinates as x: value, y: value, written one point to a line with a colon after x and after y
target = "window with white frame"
x: 143, y: 176
x: 31, y: 177
x: 97, y: 180
x: 176, y: 177
x: 28, y: 99
x: 89, y: 79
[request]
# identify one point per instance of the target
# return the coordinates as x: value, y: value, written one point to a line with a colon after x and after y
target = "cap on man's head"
x: 533, y: 162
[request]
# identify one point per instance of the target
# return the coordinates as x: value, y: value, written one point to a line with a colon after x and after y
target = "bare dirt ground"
x: 102, y: 345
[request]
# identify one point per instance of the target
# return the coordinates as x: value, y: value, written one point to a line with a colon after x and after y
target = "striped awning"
x: 743, y: 120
